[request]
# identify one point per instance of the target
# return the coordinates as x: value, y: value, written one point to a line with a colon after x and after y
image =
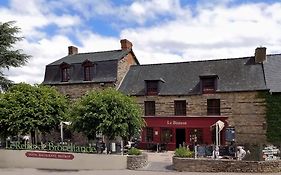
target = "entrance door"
x: 180, y: 137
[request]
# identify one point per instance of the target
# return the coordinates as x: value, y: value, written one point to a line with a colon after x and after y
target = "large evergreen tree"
x: 9, y: 56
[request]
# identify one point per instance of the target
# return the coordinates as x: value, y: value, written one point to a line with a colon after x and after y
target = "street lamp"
x: 61, y: 129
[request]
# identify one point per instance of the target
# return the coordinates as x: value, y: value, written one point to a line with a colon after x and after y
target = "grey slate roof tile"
x: 238, y: 74
x: 272, y: 71
x: 92, y: 56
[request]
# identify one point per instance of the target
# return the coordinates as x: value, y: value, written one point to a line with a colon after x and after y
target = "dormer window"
x: 64, y: 72
x: 208, y: 84
x: 88, y: 72
x: 152, y: 87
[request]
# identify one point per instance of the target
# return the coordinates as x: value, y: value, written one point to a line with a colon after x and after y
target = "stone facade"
x: 75, y: 91
x: 123, y: 67
x: 245, y: 111
x: 207, y: 165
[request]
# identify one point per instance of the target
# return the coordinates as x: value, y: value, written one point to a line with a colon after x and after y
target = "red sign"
x: 50, y: 155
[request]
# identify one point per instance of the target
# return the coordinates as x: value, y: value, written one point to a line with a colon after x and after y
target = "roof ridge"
x: 273, y: 54
x: 98, y: 52
x: 195, y: 61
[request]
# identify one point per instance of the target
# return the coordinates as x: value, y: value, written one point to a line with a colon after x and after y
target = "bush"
x: 134, y: 151
x: 183, y: 152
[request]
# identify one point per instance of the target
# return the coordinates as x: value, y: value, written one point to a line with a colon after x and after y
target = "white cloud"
x: 214, y: 30
x: 33, y: 15
x: 43, y: 52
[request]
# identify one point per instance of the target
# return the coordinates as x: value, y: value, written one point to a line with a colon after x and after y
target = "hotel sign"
x: 50, y: 155
x: 51, y: 147
x: 175, y: 122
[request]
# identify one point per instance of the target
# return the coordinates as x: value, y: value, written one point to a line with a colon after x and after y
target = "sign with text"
x: 175, y: 122
x: 49, y: 155
x: 270, y: 153
x: 51, y: 147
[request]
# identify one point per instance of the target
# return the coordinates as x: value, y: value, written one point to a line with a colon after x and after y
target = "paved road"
x: 119, y: 172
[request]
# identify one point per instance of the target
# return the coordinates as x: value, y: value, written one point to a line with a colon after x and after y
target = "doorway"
x: 180, y: 137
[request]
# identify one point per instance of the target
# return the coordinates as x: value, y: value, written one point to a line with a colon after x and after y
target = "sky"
x: 161, y: 31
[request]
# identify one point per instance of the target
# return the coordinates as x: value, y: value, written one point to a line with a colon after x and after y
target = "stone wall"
x: 136, y: 161
x: 123, y: 67
x: 207, y: 165
x: 75, y: 91
x: 245, y: 111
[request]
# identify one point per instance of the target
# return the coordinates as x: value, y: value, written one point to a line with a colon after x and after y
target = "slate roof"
x: 272, y: 71
x: 238, y: 74
x: 105, y: 66
x: 92, y: 56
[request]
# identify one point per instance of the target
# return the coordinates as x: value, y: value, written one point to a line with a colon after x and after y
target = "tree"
x: 9, y: 57
x: 25, y: 108
x: 109, y: 112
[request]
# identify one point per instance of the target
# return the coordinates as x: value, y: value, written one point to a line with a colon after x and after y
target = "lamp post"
x: 61, y: 129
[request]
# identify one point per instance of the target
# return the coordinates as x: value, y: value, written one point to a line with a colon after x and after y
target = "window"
x: 149, y: 108
x: 166, y: 135
x: 87, y: 73
x: 180, y: 107
x: 149, y: 135
x: 64, y: 74
x: 213, y: 107
x: 64, y: 67
x: 196, y: 136
x: 151, y: 87
x: 208, y: 84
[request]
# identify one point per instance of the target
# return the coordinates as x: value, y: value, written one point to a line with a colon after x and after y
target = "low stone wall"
x: 60, y: 160
x: 135, y: 162
x: 207, y: 165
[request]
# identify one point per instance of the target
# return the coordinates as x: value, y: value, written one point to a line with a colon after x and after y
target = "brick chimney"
x: 260, y: 54
x: 126, y: 44
x: 72, y: 50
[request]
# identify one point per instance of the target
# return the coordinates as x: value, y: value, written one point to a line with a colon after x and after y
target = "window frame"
x: 152, y: 87
x: 87, y: 73
x: 213, y: 107
x: 164, y: 138
x: 180, y: 109
x: 149, y: 134
x: 208, y: 84
x: 149, y: 108
x: 64, y: 70
x: 87, y: 69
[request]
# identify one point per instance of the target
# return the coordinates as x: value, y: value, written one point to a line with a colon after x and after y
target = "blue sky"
x: 161, y: 30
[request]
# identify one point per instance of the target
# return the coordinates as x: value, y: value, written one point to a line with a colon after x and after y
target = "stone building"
x: 77, y: 73
x: 180, y: 101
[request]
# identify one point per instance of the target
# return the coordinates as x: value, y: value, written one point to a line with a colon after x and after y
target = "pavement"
x: 161, y: 162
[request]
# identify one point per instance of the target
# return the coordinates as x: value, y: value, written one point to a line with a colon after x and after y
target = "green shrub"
x: 183, y: 152
x: 134, y: 151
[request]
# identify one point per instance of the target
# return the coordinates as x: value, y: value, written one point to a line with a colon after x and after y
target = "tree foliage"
x: 25, y: 108
x: 109, y: 112
x: 9, y: 57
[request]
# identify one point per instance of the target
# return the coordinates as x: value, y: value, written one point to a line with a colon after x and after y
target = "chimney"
x: 72, y: 50
x: 126, y: 44
x: 260, y: 54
